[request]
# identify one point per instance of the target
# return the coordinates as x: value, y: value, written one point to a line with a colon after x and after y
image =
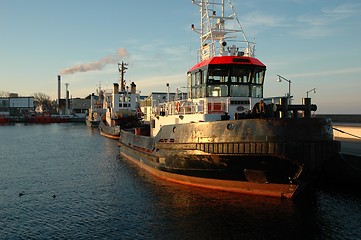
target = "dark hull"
x: 92, y: 123
x: 120, y: 123
x: 272, y: 157
x: 189, y: 178
x: 108, y: 131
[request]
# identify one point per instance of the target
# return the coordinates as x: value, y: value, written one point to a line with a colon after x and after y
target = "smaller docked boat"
x: 96, y: 110
x: 121, y: 108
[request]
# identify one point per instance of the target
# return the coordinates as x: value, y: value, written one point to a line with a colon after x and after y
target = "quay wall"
x: 346, y: 126
x: 342, y: 118
x: 342, y: 131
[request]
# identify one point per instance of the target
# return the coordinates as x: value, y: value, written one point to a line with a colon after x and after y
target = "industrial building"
x: 16, y: 106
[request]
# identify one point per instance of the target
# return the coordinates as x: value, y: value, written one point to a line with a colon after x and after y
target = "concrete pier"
x: 347, y: 131
x: 346, y: 170
x: 349, y: 135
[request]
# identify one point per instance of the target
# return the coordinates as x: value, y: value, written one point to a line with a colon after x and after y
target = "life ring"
x: 177, y: 106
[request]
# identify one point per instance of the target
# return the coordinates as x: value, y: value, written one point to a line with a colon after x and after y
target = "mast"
x: 217, y: 38
x: 121, y: 68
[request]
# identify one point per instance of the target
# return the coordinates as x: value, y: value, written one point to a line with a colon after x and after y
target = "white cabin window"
x: 257, y: 91
x: 239, y: 90
x: 258, y: 77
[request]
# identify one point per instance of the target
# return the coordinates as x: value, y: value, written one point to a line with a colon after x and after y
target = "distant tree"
x: 42, y: 102
x: 4, y: 94
x: 54, y: 106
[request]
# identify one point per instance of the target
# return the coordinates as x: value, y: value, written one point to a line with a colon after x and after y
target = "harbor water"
x: 65, y: 181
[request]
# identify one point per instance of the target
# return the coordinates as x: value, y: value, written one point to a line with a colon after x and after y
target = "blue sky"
x: 313, y: 43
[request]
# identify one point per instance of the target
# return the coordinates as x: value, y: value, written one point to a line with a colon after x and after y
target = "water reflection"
x: 213, y: 214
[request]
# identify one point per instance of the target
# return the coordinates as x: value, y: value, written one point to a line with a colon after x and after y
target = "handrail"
x: 179, y: 107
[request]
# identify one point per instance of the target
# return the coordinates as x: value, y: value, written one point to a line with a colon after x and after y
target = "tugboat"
x: 96, y: 110
x: 226, y: 135
x: 122, y: 108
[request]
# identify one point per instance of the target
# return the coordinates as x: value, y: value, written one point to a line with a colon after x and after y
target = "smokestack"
x: 133, y: 88
x: 115, y: 97
x: 115, y: 88
x: 67, y: 99
x: 168, y: 92
x: 59, y: 86
x: 92, y: 102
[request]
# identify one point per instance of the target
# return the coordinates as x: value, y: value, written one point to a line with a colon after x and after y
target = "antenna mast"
x: 122, y: 67
x: 216, y: 38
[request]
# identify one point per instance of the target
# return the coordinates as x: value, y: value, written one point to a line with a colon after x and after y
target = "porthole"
x: 230, y: 126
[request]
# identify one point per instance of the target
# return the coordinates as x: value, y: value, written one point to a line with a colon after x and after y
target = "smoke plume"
x: 98, y: 65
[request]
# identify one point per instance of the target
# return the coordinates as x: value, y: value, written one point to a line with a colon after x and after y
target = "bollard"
x: 307, y: 110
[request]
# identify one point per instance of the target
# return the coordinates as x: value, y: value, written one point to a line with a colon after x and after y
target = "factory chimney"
x: 59, y: 86
x: 66, y: 99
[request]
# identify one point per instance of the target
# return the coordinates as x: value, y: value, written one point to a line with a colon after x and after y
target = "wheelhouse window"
x: 197, y: 83
x: 217, y: 82
x: 241, y: 75
x: 198, y: 78
x: 257, y: 83
x: 239, y: 90
x: 217, y: 91
x: 189, y: 85
x: 257, y: 91
x: 258, y: 77
x: 240, y: 81
x: 218, y: 75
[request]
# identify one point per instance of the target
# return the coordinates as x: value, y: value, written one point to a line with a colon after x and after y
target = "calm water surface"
x: 74, y: 185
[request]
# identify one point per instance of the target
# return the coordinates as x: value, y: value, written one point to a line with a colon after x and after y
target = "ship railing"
x: 182, y: 107
x: 179, y: 107
x: 222, y: 106
x: 236, y: 48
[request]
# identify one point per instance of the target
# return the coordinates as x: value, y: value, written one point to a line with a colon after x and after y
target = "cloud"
x: 258, y: 19
x: 158, y: 83
x: 346, y: 9
x: 328, y: 72
x: 97, y: 65
x: 326, y: 21
x: 317, y: 23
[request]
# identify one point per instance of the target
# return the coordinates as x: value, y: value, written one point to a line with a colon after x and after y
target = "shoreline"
x: 343, y: 118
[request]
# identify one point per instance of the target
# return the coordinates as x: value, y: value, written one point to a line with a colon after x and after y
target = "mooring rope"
x: 346, y: 133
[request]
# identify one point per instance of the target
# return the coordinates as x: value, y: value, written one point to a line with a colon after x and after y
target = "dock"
x: 349, y: 134
x: 346, y: 170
